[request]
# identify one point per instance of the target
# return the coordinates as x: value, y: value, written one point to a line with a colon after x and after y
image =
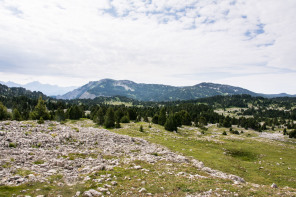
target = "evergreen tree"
x: 132, y: 114
x: 155, y: 119
x: 118, y: 115
x: 292, y: 134
x: 141, y: 128
x: 75, y: 112
x: 178, y: 119
x: 285, y: 131
x: 125, y: 119
x: 186, y: 119
x: 3, y: 112
x: 145, y: 118
x: 109, y: 118
x: 60, y: 115
x: 227, y: 122
x: 202, y: 121
x: 100, y: 116
x: 40, y: 111
x: 170, y: 124
x: 162, y: 116
x: 16, y: 115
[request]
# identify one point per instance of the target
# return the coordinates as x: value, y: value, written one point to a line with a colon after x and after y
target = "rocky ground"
x: 31, y: 152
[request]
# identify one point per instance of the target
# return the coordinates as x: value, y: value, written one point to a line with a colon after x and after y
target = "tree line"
x: 171, y: 115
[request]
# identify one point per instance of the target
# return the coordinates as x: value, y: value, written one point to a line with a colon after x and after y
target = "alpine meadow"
x: 158, y: 98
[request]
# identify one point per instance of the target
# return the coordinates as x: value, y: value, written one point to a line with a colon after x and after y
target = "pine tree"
x: 170, y: 124
x: 16, y: 115
x: 75, y: 112
x: 118, y: 115
x: 100, y: 116
x: 186, y: 119
x: 162, y: 116
x: 155, y: 119
x: 60, y: 115
x: 285, y: 131
x: 3, y: 112
x: 109, y: 118
x: 40, y: 111
x: 125, y: 119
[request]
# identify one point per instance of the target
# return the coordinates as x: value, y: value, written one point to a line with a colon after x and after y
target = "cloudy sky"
x: 246, y: 43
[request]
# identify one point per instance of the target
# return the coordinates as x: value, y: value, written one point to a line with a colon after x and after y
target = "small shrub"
x: 40, y: 121
x: 23, y: 172
x: 55, y: 177
x: 38, y: 145
x: 39, y: 162
x: 285, y: 131
x: 235, y: 132
x: 155, y: 154
x: 6, y: 165
x: 125, y: 119
x: 12, y: 145
x: 292, y: 134
x: 224, y: 133
x: 141, y: 128
x: 54, y: 135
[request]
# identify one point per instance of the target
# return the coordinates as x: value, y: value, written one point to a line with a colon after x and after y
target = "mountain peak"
x: 151, y: 92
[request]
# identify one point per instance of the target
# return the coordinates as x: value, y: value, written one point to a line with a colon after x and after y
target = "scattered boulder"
x: 274, y: 185
x: 92, y: 193
x: 142, y: 190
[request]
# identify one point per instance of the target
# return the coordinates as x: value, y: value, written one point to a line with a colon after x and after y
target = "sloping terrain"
x: 50, y: 90
x: 156, y: 92
x: 15, y: 92
x: 76, y: 158
x: 151, y: 92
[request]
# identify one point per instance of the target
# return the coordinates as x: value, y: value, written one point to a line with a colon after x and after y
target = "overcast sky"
x: 246, y: 43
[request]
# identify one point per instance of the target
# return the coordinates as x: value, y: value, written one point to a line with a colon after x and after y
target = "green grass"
x: 159, y: 179
x: 12, y: 145
x: 39, y: 162
x: 23, y: 172
x: 245, y: 155
x: 73, y: 156
x: 36, y: 188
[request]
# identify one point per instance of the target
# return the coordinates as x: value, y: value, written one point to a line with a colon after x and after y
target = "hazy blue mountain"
x: 50, y: 90
x: 152, y: 92
x: 277, y: 95
x: 11, y: 84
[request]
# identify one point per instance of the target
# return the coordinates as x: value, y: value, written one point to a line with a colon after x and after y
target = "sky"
x: 245, y: 43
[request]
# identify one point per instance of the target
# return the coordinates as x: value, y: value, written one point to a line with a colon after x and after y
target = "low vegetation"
x: 251, y: 137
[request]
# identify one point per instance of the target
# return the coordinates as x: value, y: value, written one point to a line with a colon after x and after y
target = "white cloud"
x: 71, y: 42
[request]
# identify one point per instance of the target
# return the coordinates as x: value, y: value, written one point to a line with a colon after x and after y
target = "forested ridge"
x: 256, y: 113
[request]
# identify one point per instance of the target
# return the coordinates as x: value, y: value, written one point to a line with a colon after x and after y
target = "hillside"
x: 78, y: 158
x: 51, y: 90
x: 151, y: 92
x: 18, y: 91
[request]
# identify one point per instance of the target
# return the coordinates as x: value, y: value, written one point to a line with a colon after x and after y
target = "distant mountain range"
x: 50, y: 90
x: 156, y: 92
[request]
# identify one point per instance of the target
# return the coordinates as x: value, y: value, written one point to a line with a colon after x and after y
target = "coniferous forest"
x: 256, y: 113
